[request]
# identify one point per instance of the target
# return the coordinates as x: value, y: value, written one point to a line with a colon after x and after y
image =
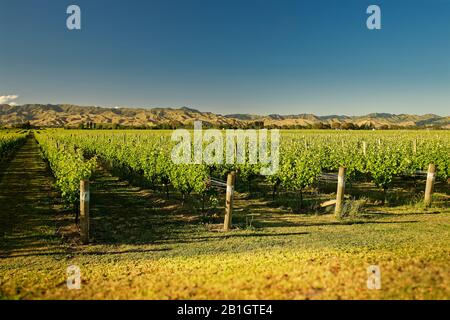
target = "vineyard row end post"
x: 229, y: 201
x: 340, y: 192
x: 431, y: 177
x: 84, y: 211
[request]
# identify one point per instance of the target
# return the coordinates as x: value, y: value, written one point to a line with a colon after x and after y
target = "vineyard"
x: 145, y: 157
x: 10, y: 141
x: 157, y: 227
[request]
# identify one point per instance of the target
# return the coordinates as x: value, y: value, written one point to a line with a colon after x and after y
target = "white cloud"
x: 8, y: 99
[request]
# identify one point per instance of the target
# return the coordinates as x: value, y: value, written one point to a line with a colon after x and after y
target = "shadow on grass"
x: 125, y: 214
x: 122, y: 213
x: 267, y: 224
x: 28, y: 216
x: 230, y: 235
x: 82, y: 253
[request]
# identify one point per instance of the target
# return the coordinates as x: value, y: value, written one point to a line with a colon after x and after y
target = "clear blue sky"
x: 233, y: 56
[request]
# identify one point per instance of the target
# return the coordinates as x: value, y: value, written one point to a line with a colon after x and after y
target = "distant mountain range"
x: 64, y: 115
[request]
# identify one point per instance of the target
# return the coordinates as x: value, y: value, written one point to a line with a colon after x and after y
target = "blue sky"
x: 234, y: 56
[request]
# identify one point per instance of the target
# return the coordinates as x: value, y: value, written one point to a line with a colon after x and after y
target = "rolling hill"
x: 65, y: 115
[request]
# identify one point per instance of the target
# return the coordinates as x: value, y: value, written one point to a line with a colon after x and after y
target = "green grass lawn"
x: 285, y: 256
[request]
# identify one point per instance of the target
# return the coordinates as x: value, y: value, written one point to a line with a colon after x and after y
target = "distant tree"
x: 348, y: 126
x: 335, y: 125
x: 366, y: 126
x: 318, y: 125
x: 23, y: 125
x: 257, y: 125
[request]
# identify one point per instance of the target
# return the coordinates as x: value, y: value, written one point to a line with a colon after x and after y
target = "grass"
x: 293, y: 257
x: 148, y: 247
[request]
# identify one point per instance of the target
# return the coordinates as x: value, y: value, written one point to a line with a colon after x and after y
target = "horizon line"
x: 222, y: 114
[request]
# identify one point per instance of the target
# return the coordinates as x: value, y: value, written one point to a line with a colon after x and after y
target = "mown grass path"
x: 124, y: 214
x: 27, y: 213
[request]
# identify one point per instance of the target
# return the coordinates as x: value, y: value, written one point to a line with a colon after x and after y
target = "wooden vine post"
x: 431, y: 177
x: 340, y: 192
x: 84, y: 211
x: 229, y: 201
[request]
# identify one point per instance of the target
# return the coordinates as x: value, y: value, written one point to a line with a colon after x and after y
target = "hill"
x: 66, y: 115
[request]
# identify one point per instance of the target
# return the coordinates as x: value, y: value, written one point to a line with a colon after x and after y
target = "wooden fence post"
x: 84, y: 211
x: 340, y: 192
x: 431, y: 177
x: 364, y: 146
x: 229, y: 201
